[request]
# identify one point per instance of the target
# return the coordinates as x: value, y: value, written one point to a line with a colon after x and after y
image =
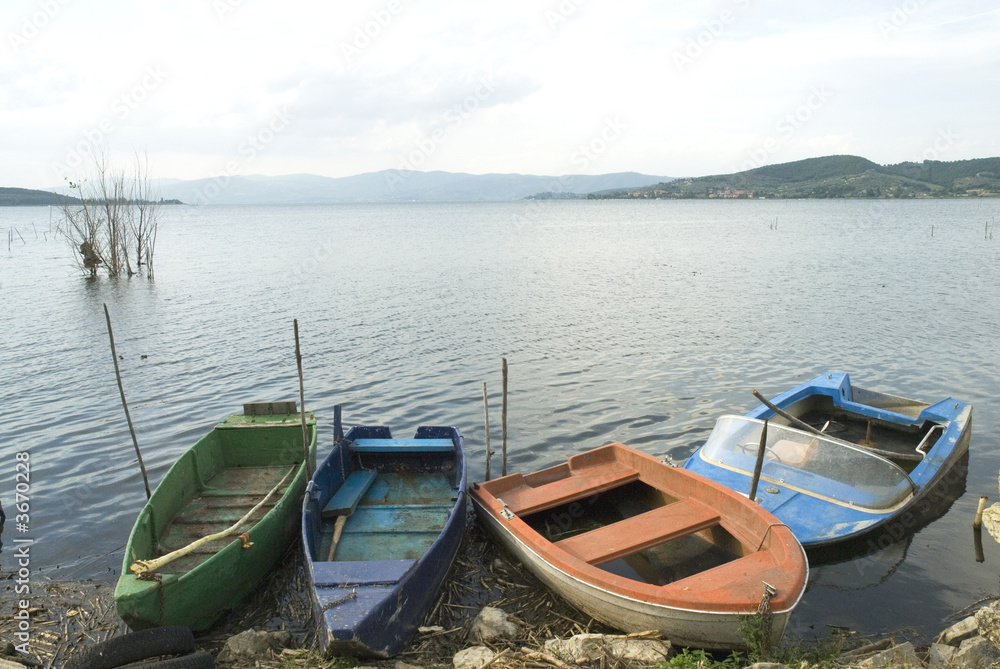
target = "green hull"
x: 207, y: 490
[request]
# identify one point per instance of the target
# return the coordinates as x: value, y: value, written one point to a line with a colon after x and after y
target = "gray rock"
x: 592, y: 647
x: 941, y: 655
x: 959, y: 632
x: 253, y: 643
x: 976, y: 652
x: 492, y: 623
x: 768, y: 665
x: 988, y: 620
x: 903, y: 654
x: 472, y: 658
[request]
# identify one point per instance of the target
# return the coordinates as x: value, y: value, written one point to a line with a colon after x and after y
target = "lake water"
x: 639, y: 322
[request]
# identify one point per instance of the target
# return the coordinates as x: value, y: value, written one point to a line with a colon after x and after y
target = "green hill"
x: 25, y: 197
x: 835, y: 177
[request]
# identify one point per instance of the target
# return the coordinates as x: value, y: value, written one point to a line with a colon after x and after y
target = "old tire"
x: 133, y: 647
x: 200, y: 660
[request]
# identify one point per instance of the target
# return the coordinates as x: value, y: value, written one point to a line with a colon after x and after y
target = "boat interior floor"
x: 398, y: 518
x: 223, y: 500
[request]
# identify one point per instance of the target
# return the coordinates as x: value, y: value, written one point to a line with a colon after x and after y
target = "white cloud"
x: 366, y: 81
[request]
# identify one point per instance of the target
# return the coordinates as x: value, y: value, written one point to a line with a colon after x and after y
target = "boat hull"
x: 206, y: 491
x: 621, y: 570
x: 829, y: 528
x: 396, y: 547
x: 687, y: 628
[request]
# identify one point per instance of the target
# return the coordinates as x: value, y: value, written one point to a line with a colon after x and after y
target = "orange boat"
x: 640, y: 545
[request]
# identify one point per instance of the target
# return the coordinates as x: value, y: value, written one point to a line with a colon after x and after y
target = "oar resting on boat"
x: 140, y: 567
x: 893, y: 455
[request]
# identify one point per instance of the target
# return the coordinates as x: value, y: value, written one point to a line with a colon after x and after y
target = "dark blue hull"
x: 396, y: 547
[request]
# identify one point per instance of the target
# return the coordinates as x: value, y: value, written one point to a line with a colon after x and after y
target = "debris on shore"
x: 490, y: 614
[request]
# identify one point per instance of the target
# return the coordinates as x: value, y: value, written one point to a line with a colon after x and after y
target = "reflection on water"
x: 639, y: 322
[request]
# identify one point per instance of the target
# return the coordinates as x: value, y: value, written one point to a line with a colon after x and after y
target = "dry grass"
x: 74, y: 614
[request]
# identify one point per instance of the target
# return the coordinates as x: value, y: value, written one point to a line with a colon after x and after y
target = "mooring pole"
x: 503, y: 420
x: 486, y: 413
x: 302, y: 403
x: 760, y: 462
x: 121, y: 389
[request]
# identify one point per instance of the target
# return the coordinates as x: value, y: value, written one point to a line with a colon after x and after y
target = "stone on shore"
x: 492, y: 623
x: 941, y: 655
x: 976, y: 652
x: 253, y: 643
x: 988, y: 622
x: 472, y: 658
x: 903, y: 654
x: 592, y: 647
x: 959, y: 632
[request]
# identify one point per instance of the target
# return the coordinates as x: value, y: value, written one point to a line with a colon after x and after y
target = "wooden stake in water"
x: 302, y: 403
x: 977, y: 530
x: 978, y: 521
x: 503, y: 420
x: 121, y: 389
x: 486, y: 412
x: 760, y: 462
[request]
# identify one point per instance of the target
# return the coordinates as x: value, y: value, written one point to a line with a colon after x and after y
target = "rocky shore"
x: 490, y: 614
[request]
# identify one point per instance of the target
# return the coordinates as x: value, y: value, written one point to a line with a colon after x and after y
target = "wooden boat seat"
x: 640, y: 532
x: 402, y: 445
x: 526, y: 500
x: 747, y: 570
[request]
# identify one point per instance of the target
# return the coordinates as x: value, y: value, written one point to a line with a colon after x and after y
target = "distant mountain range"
x: 830, y: 176
x: 837, y: 177
x: 392, y: 186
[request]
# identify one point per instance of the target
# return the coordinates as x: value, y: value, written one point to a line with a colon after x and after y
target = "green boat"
x: 223, y: 515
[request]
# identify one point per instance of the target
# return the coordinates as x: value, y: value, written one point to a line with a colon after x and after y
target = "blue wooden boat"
x: 875, y: 462
x: 394, y: 511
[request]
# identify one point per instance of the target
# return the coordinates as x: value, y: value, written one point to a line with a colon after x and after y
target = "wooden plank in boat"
x: 527, y: 500
x: 638, y: 533
x: 746, y: 571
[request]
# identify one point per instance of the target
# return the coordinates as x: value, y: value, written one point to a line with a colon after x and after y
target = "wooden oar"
x: 140, y: 567
x: 809, y: 428
x: 345, y: 501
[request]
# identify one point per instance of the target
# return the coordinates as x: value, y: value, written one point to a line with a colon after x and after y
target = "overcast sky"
x: 341, y: 87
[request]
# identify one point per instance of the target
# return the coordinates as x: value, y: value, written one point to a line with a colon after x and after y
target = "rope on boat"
x: 337, y: 602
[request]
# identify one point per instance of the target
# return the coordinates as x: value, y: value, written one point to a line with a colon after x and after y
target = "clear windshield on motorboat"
x: 810, y: 463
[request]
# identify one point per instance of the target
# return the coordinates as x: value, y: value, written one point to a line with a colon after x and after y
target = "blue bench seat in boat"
x: 402, y: 445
